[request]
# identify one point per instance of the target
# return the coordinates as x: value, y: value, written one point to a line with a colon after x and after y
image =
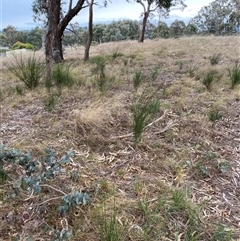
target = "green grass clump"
x: 208, y: 79
x: 215, y: 59
x: 29, y: 70
x: 137, y: 79
x: 110, y: 228
x: 62, y: 76
x: 192, y: 70
x: 214, y: 115
x: 221, y: 234
x: 143, y: 113
x: 50, y: 103
x: 234, y: 75
x: 116, y: 53
x: 99, y: 70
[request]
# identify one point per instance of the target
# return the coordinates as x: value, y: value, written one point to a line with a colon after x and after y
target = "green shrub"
x: 20, y: 45
x: 29, y: 69
x: 154, y: 73
x: 234, y: 75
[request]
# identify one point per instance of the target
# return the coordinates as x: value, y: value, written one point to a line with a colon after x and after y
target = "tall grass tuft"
x: 29, y: 69
x: 143, y: 113
x: 215, y: 59
x: 234, y: 75
x: 116, y: 53
x: 137, y: 79
x: 99, y: 70
x: 214, y: 115
x: 192, y: 70
x: 62, y: 76
x: 111, y: 229
x: 208, y: 79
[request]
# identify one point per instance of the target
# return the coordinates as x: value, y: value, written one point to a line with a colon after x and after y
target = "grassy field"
x: 177, y: 180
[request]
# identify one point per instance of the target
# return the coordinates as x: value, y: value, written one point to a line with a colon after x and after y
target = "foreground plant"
x: 28, y: 69
x: 144, y: 112
x: 62, y: 76
x: 110, y: 228
x: 234, y: 75
x: 214, y: 115
x: 99, y: 71
x: 209, y: 78
x: 34, y: 184
x: 215, y: 59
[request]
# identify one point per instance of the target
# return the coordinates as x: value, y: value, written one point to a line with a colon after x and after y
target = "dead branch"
x: 170, y: 125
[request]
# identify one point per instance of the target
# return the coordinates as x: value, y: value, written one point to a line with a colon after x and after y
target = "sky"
x: 19, y: 13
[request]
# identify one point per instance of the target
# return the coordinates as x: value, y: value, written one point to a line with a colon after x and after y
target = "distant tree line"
x: 221, y: 17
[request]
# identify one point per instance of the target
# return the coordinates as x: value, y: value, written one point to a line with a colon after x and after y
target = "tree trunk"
x: 53, y: 14
x: 57, y: 51
x: 56, y: 28
x: 90, y: 31
x: 142, y: 34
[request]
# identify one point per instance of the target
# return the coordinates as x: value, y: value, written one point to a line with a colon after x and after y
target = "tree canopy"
x: 150, y: 6
x: 221, y: 17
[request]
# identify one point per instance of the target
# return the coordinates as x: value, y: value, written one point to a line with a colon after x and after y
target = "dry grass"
x: 171, y: 187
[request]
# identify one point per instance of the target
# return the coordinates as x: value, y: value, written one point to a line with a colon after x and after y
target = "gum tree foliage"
x: 221, y: 17
x: 177, y: 28
x: 191, y: 29
x: 115, y: 31
x: 151, y: 6
x: 119, y: 30
x: 34, y: 36
x: 75, y: 35
x: 161, y: 31
x: 98, y: 32
x: 10, y: 35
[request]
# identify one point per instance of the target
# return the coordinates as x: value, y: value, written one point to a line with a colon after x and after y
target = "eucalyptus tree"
x: 121, y: 30
x: 151, y: 6
x: 56, y: 21
x: 58, y: 16
x: 162, y: 31
x: 98, y: 32
x: 177, y: 28
x: 90, y: 27
x: 191, y: 29
x: 10, y: 35
x: 220, y: 17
